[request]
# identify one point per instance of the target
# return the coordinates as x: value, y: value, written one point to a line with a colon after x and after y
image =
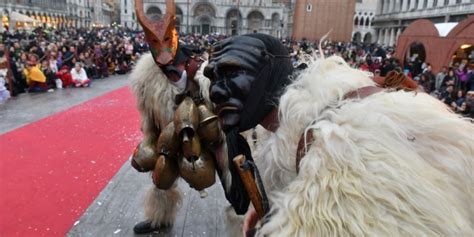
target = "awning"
x: 445, y: 28
x: 15, y: 16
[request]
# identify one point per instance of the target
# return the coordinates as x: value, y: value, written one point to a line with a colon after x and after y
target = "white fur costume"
x: 155, y: 98
x: 390, y: 164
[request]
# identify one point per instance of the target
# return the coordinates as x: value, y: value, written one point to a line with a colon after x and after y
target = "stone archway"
x: 233, y: 22
x: 368, y: 38
x: 204, y: 15
x: 276, y: 25
x: 417, y: 48
x: 357, y: 37
x: 154, y: 13
x: 255, y: 21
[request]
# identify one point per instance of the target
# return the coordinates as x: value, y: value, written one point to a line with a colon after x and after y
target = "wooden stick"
x: 250, y: 185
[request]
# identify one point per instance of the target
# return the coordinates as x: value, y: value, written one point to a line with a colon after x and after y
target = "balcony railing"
x: 429, y: 12
x: 43, y: 4
x: 241, y: 3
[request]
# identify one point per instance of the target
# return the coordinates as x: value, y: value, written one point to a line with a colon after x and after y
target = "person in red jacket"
x: 65, y: 76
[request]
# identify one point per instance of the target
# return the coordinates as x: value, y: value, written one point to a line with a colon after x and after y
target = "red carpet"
x: 51, y: 170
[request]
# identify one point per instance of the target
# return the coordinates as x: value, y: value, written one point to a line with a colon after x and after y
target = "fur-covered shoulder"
x: 392, y: 164
x: 155, y: 94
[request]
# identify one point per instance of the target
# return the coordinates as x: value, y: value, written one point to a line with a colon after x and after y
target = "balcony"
x: 42, y: 4
x: 217, y: 3
x: 458, y: 9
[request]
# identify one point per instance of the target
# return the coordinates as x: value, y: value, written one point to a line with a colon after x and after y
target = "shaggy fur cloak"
x: 155, y: 99
x: 391, y: 164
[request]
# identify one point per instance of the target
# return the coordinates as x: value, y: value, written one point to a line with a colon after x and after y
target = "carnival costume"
x: 344, y: 155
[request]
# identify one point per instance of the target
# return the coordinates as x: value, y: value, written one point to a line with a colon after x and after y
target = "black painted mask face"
x: 233, y: 68
x: 248, y: 74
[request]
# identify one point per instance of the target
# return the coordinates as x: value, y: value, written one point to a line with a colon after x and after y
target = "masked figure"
x: 180, y: 133
x: 344, y: 156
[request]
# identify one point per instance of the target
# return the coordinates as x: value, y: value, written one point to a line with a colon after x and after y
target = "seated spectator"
x: 425, y: 83
x: 4, y: 93
x: 50, y: 75
x: 470, y: 104
x: 64, y: 76
x: 89, y: 65
x: 79, y: 76
x: 35, y: 78
x: 447, y: 95
x: 123, y: 68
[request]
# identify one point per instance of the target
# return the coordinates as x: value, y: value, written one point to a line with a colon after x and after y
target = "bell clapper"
x: 203, y: 193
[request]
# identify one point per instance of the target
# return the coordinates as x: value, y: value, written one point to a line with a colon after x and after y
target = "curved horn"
x: 170, y: 7
x: 144, y: 21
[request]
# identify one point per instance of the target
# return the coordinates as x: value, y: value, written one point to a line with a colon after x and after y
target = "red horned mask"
x: 161, y: 35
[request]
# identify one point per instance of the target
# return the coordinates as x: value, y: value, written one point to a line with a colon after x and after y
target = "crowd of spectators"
x: 45, y: 60
x: 453, y: 85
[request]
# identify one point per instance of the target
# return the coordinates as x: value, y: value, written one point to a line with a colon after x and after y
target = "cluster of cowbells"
x: 183, y: 148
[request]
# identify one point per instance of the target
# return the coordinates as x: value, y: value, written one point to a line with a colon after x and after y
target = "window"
x: 309, y: 7
x: 435, y: 3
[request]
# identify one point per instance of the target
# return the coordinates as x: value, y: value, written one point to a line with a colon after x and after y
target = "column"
x: 430, y: 4
x: 399, y: 32
x: 420, y: 4
x: 384, y: 34
x: 390, y: 37
x: 379, y: 8
x: 379, y: 36
x: 404, y: 5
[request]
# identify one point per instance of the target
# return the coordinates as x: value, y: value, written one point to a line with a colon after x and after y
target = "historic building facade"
x: 217, y: 16
x: 393, y: 16
x: 46, y: 12
x: 61, y: 13
x: 315, y: 18
x: 364, y: 21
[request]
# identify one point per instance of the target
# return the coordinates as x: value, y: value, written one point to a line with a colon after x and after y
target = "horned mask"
x: 161, y: 35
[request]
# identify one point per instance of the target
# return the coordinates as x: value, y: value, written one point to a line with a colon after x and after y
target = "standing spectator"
x: 449, y: 79
x: 79, y: 76
x: 440, y: 78
x: 461, y: 74
x: 430, y: 76
x: 470, y: 78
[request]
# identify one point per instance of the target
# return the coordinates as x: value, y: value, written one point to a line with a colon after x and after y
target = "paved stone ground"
x: 30, y: 107
x: 120, y: 205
